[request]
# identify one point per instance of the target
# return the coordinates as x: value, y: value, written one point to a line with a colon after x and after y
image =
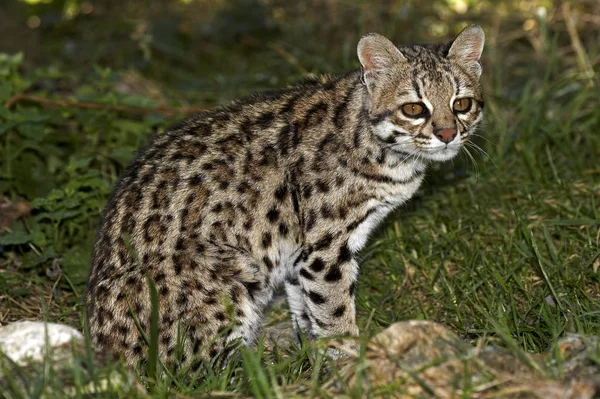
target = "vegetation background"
x: 502, y: 245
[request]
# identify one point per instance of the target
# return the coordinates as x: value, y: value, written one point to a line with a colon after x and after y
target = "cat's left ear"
x: 468, y: 46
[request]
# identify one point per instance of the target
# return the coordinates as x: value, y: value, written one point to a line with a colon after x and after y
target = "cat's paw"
x: 342, y: 348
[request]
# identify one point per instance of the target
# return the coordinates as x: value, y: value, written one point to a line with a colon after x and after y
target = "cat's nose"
x: 445, y: 135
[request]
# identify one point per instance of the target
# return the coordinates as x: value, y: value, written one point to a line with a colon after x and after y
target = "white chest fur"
x: 359, y: 237
x: 389, y: 198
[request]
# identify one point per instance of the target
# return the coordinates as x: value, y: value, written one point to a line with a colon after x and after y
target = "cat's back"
x: 237, y: 151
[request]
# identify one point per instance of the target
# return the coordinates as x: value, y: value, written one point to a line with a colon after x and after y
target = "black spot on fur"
x: 339, y: 311
x: 252, y: 287
x: 324, y: 242
x: 352, y: 289
x: 293, y: 281
x: 283, y: 230
x: 220, y: 316
x: 309, y: 220
x: 265, y: 120
x: 345, y: 254
x: 196, y: 180
x: 321, y: 323
x: 326, y: 211
x: 137, y: 350
x: 317, y: 265
x: 307, y: 191
x: 334, y: 274
x: 273, y: 215
x: 268, y: 263
x: 316, y: 298
x: 177, y: 266
x: 316, y: 114
x: 266, y: 240
x: 322, y: 186
x: 304, y: 273
x: 281, y: 192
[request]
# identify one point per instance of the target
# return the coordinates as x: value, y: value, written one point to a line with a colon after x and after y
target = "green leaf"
x: 50, y: 201
x: 33, y: 131
x: 57, y: 215
x: 6, y: 126
x: 130, y: 126
x: 6, y: 90
x: 39, y: 239
x: 80, y: 163
x: 16, y: 238
x: 76, y: 262
x: 102, y: 72
x: 70, y: 203
x: 138, y: 101
x: 31, y: 259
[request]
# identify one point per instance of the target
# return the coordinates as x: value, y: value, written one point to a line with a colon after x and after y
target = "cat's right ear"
x: 467, y: 48
x: 376, y: 53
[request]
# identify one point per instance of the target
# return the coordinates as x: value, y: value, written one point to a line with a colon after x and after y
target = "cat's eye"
x: 462, y: 105
x: 414, y: 110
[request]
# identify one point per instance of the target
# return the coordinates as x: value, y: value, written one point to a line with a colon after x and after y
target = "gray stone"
x: 30, y: 341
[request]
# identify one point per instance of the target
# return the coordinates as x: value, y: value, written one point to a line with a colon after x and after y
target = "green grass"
x: 504, y: 245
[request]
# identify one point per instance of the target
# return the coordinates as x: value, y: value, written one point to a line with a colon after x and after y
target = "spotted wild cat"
x: 282, y: 187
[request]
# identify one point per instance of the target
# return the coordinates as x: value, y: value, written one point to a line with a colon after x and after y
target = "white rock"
x: 25, y: 341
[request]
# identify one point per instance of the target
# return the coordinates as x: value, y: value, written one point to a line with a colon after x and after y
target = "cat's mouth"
x: 441, y: 154
x: 409, y: 147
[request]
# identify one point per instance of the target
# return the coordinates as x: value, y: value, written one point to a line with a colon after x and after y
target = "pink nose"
x: 445, y: 135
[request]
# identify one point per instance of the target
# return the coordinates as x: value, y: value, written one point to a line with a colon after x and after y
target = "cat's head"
x: 424, y: 100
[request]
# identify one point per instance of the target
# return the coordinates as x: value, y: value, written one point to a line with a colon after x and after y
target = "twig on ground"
x: 120, y: 108
x: 582, y: 58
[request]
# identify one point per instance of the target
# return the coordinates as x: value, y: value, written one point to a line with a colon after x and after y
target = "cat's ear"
x: 377, y: 53
x: 468, y: 46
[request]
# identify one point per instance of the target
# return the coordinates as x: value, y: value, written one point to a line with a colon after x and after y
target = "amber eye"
x: 462, y: 105
x: 414, y: 110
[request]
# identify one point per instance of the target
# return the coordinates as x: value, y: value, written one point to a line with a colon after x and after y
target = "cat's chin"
x: 442, y: 155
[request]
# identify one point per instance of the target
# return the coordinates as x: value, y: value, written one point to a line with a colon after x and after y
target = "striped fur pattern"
x: 281, y: 188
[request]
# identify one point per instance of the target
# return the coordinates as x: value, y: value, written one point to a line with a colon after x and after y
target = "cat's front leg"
x: 296, y: 302
x: 328, y: 281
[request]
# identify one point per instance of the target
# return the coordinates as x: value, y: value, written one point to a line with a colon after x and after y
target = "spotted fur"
x: 280, y: 188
